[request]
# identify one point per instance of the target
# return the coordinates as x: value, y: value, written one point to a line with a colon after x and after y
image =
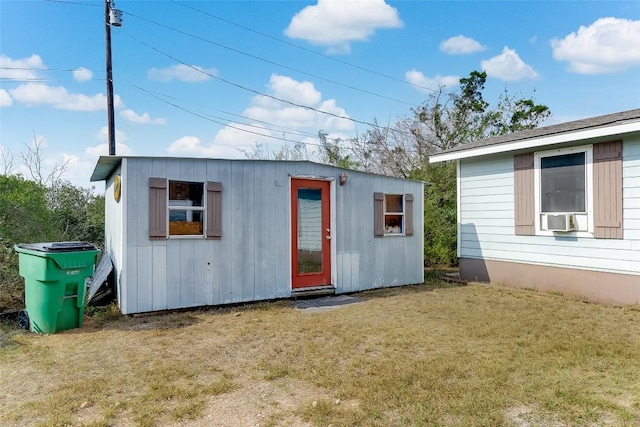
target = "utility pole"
x: 111, y: 131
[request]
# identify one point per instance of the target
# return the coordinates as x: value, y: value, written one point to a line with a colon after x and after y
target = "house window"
x: 564, y: 191
x: 186, y: 208
x: 393, y: 214
x: 581, y: 184
x: 563, y: 181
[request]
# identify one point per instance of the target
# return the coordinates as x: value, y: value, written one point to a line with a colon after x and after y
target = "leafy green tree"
x: 333, y: 152
x: 24, y: 211
x: 440, y: 215
x: 77, y: 214
x: 24, y: 217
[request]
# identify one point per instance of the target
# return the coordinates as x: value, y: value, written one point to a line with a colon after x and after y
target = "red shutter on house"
x: 408, y: 214
x: 378, y: 214
x: 214, y: 210
x: 524, y: 195
x: 607, y: 190
x: 157, y: 208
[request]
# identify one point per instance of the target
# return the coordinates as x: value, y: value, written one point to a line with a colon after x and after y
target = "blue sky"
x: 209, y: 78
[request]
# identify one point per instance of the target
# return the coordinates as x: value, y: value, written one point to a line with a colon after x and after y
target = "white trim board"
x: 609, y: 131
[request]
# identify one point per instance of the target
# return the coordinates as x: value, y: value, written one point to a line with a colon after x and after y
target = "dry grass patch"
x: 417, y: 355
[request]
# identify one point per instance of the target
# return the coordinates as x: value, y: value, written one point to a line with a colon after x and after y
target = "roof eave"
x: 105, y: 166
x: 528, y: 143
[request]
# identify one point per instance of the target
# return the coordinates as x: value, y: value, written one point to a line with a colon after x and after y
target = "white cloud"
x: 508, y: 66
x: 460, y: 45
x: 293, y: 116
x: 607, y: 46
x: 103, y: 150
x: 428, y: 84
x: 103, y: 135
x: 33, y: 94
x: 5, y: 98
x: 20, y: 69
x: 292, y: 90
x: 292, y: 122
x: 228, y: 143
x: 80, y: 169
x: 82, y: 74
x: 145, y: 118
x: 183, y: 73
x: 336, y: 24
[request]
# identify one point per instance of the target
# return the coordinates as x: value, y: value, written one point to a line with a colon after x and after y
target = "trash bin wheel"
x: 23, y: 319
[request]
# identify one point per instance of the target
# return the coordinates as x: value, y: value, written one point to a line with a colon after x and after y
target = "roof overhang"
x: 105, y: 166
x: 529, y: 143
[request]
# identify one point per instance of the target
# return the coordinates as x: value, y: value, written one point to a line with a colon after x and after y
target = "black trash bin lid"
x: 59, y: 246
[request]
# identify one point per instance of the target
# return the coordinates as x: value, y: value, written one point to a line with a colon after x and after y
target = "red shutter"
x: 378, y: 214
x: 214, y: 210
x: 157, y: 208
x: 524, y: 195
x: 408, y: 214
x: 607, y: 190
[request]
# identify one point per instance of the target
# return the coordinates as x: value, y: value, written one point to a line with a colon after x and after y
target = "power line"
x: 36, y: 69
x: 227, y: 124
x: 19, y: 80
x: 73, y: 2
x: 216, y: 119
x: 305, y: 49
x: 163, y: 98
x: 239, y: 86
x: 279, y: 40
x: 249, y: 89
x: 269, y: 61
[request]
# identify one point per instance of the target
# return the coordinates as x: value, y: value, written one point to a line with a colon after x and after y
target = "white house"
x: 554, y: 208
x: 187, y: 232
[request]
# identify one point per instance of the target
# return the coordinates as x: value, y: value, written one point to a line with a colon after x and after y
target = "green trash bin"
x: 54, y: 290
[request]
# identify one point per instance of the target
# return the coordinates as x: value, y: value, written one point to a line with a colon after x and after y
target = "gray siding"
x: 487, y: 221
x: 252, y: 261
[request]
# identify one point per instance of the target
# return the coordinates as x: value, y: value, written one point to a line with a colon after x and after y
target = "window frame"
x: 386, y: 213
x: 583, y: 217
x: 408, y: 228
x: 158, y: 210
x: 201, y: 208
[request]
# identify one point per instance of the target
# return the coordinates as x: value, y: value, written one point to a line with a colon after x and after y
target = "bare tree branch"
x: 34, y: 160
x: 7, y: 158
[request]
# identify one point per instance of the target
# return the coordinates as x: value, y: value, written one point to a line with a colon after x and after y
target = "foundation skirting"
x: 611, y: 288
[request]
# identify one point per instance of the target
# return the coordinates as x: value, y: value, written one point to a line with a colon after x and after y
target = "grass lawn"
x: 427, y: 355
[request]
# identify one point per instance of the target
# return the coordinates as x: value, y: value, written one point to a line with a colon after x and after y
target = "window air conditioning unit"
x: 560, y: 222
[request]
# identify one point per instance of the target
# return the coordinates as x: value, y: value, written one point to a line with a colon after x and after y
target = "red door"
x: 311, y: 233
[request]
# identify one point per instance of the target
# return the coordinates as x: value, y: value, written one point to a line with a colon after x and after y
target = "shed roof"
x: 591, y: 128
x: 104, y: 167
x: 107, y: 164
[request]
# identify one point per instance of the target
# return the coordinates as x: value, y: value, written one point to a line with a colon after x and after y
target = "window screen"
x: 393, y: 214
x: 186, y: 209
x: 563, y: 183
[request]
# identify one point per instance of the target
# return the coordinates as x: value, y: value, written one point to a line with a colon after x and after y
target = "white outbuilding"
x: 189, y: 232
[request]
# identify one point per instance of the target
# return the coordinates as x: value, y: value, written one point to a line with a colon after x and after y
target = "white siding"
x: 114, y: 240
x: 252, y: 261
x: 487, y: 221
